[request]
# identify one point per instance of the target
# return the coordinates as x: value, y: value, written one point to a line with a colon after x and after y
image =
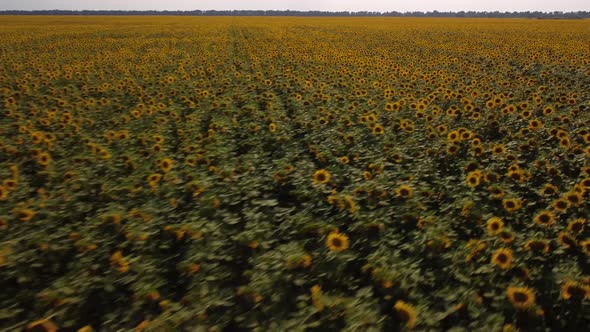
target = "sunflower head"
x: 25, y: 214
x: 3, y: 193
x: 576, y: 226
x: 572, y: 290
x: 496, y: 191
x: 495, y: 225
x: 473, y: 179
x: 561, y: 205
x: 404, y: 191
x: 512, y: 204
x: 337, y: 241
x: 537, y: 246
x: 154, y: 178
x: 166, y: 165
x: 585, y: 244
x: 321, y: 176
x: 502, y: 258
x: 506, y: 236
x: 406, y: 313
x: 545, y: 218
x: 378, y: 130
x: 566, y: 240
x: 549, y: 190
x: 521, y: 297
x: 573, y: 198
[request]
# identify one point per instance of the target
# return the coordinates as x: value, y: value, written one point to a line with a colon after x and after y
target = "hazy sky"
x: 331, y: 5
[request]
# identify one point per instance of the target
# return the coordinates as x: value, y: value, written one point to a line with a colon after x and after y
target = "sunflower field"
x: 294, y: 174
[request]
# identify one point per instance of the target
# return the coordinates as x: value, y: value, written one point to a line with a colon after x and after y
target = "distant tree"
x: 435, y: 13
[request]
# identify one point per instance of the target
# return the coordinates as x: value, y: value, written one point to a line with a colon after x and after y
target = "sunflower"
x: 537, y: 246
x: 350, y: 203
x: 574, y: 290
x: 494, y: 225
x: 506, y: 236
x: 548, y: 110
x: 406, y: 313
x: 496, y: 192
x: 545, y: 218
x: 498, y: 149
x: 321, y: 176
x: 585, y: 246
x: 154, y: 178
x: 517, y: 176
x: 566, y: 239
x: 25, y: 214
x: 3, y: 193
x: 337, y: 241
x: 511, y: 204
x: 316, y: 292
x: 404, y: 191
x: 473, y: 179
x: 576, y: 226
x: 502, y: 258
x: 345, y: 160
x: 453, y: 136
x: 166, y: 165
x: 378, y: 130
x: 561, y: 205
x: 452, y: 149
x: 574, y: 198
x: 521, y: 297
x: 535, y: 124
x: 44, y: 159
x: 491, y: 177
x: 549, y: 190
x: 272, y: 127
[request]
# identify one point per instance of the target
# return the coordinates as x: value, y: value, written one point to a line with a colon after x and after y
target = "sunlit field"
x: 294, y: 174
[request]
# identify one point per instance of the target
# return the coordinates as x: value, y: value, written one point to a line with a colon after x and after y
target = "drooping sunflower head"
x: 406, y: 313
x: 337, y: 241
x: 521, y: 297
x: 321, y: 176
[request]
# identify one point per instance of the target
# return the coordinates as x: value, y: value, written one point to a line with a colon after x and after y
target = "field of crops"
x: 290, y: 174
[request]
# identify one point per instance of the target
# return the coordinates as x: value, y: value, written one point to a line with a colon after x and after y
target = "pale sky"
x: 324, y: 5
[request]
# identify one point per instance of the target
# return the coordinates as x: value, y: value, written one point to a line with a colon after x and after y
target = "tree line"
x: 468, y: 14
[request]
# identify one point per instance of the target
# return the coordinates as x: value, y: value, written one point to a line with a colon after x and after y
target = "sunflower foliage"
x: 289, y: 174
